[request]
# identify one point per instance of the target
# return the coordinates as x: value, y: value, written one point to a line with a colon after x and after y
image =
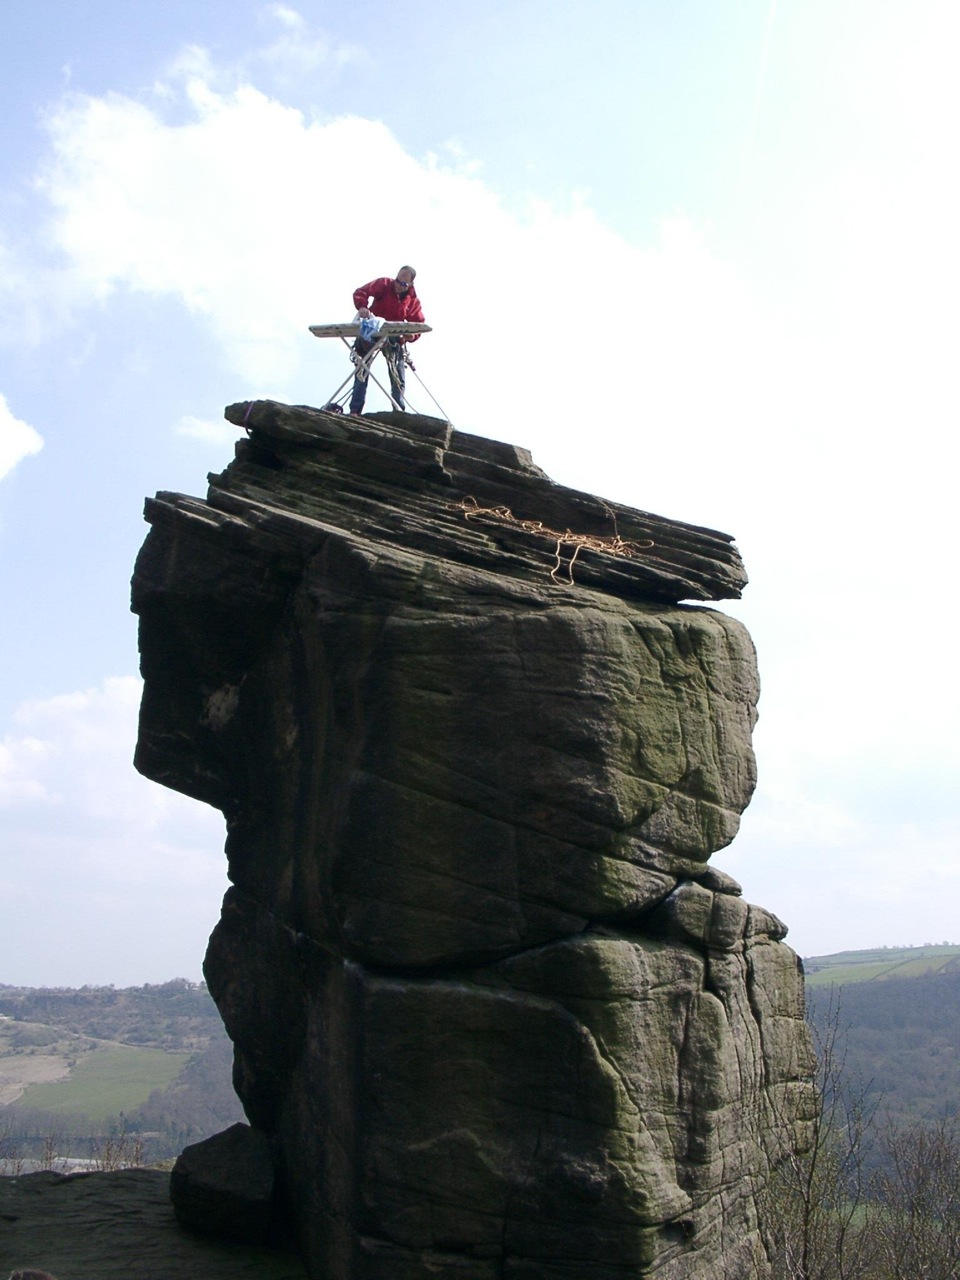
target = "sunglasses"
x: 403, y: 284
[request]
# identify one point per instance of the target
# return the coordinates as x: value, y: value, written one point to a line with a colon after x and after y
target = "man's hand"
x: 364, y: 313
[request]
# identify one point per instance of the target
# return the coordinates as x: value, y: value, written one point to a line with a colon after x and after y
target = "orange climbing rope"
x: 611, y: 546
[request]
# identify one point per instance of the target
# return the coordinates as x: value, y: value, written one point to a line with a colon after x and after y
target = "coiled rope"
x: 611, y: 546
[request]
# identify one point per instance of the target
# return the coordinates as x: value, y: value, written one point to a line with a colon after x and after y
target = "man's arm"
x: 362, y: 296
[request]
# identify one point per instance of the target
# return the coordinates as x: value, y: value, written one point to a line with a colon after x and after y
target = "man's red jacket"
x: 381, y: 298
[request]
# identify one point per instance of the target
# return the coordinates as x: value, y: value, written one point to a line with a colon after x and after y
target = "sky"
x: 700, y: 256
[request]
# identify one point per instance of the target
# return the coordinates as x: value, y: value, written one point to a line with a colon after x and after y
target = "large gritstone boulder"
x: 475, y: 737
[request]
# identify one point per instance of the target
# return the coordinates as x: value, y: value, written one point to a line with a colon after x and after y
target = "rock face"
x: 494, y: 1010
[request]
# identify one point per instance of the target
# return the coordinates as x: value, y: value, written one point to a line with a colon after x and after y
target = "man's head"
x: 404, y: 280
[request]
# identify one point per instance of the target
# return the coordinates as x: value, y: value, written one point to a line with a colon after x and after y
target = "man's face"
x: 403, y: 282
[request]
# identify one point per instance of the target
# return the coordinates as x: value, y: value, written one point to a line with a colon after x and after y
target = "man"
x: 390, y: 299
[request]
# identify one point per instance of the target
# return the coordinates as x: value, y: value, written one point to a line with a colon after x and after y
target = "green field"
x: 877, y: 966
x: 109, y: 1080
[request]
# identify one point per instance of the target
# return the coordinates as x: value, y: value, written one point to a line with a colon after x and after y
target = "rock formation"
x: 226, y: 1185
x: 495, y: 1012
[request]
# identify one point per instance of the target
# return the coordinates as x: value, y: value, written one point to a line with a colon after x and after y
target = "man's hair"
x: 413, y: 274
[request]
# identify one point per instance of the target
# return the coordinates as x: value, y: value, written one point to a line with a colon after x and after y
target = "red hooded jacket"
x: 380, y: 297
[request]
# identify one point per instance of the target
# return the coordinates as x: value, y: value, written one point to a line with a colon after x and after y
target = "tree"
x: 918, y: 1194
x: 815, y: 1206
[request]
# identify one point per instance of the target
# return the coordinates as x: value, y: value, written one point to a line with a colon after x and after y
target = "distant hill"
x: 847, y: 967
x: 176, y: 1015
x: 76, y: 1065
x: 898, y: 1011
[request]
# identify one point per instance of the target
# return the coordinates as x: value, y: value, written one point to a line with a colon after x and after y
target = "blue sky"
x: 700, y: 257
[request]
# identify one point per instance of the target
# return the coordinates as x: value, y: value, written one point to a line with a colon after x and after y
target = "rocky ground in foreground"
x: 118, y: 1226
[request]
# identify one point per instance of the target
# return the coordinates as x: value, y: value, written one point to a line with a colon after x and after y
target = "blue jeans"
x: 398, y: 375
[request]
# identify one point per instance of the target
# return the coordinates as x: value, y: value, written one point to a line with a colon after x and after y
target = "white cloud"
x: 295, y: 52
x: 287, y: 17
x: 208, y: 430
x: 77, y: 749
x: 126, y: 875
x: 38, y: 298
x: 18, y: 440
x: 300, y: 49
x: 19, y: 760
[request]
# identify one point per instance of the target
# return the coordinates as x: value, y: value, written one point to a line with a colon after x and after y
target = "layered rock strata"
x: 494, y: 1010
